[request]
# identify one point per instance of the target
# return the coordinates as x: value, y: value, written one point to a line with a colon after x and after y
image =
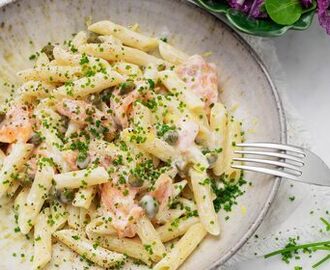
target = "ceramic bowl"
x: 26, y: 26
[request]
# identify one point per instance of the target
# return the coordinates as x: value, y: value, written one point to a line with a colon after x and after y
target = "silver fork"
x: 281, y: 160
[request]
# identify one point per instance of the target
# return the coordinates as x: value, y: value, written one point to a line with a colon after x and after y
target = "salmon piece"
x: 17, y: 126
x: 71, y: 159
x: 122, y: 106
x: 84, y: 113
x: 201, y: 78
x: 119, y: 201
x: 163, y: 193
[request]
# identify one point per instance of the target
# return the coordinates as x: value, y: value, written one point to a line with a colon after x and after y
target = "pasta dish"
x: 111, y: 146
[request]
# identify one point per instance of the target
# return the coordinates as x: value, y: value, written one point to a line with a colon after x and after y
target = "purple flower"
x: 255, y: 10
x: 323, y: 13
x: 250, y: 7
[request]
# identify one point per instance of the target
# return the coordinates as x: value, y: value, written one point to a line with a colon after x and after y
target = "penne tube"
x: 36, y: 197
x: 42, y: 60
x: 158, y: 148
x: 73, y: 217
x: 178, y: 87
x: 233, y: 137
x: 151, y: 72
x: 88, y: 249
x: 82, y: 178
x: 150, y: 238
x: 13, y: 187
x: 203, y: 196
x: 125, y: 35
x: 178, y: 187
x: 128, y: 69
x: 89, y: 85
x: 59, y: 215
x: 172, y: 230
x: 12, y: 164
x: 84, y: 196
x: 130, y: 247
x: 32, y: 90
x: 52, y: 74
x: 101, y: 225
x: 115, y: 52
x: 66, y: 58
x: 79, y: 39
x: 42, y: 241
x: 182, y: 249
x: 218, y: 123
x: 171, y: 54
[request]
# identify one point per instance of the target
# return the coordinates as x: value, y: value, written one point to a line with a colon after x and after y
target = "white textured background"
x: 299, y: 64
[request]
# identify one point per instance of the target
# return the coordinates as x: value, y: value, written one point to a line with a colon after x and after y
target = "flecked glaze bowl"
x: 26, y: 26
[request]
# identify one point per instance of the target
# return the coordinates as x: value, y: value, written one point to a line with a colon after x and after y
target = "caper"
x: 95, y: 100
x: 93, y: 38
x: 171, y: 137
x: 64, y: 196
x: 82, y: 163
x: 2, y: 116
x: 150, y: 205
x: 126, y: 87
x: 161, y: 67
x: 35, y: 139
x: 211, y: 158
x: 106, y: 94
x: 48, y: 50
x: 135, y: 181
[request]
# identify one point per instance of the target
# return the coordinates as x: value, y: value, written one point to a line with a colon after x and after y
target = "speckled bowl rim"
x: 283, y: 128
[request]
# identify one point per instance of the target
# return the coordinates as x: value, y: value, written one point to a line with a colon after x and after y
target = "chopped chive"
x: 296, y: 248
x: 321, y: 261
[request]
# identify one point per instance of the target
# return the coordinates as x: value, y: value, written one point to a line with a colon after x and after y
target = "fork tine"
x: 270, y: 154
x: 271, y: 162
x: 275, y: 146
x: 266, y: 171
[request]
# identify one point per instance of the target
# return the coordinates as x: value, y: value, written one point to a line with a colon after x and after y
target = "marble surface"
x: 305, y: 58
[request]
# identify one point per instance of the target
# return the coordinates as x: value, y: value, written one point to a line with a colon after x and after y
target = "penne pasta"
x: 172, y: 230
x: 79, y: 39
x: 150, y: 239
x: 115, y: 52
x: 101, y: 226
x: 88, y: 249
x: 177, y: 87
x: 130, y: 247
x: 51, y: 74
x: 234, y: 136
x: 82, y: 178
x: 218, y: 123
x: 89, y: 85
x: 37, y: 196
x: 12, y: 164
x: 65, y: 58
x: 171, y: 54
x: 42, y: 240
x: 84, y: 196
x: 183, y: 248
x: 126, y: 36
x: 203, y: 196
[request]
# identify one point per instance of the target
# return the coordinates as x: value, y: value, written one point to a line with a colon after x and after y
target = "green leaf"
x: 284, y: 12
x: 258, y: 27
